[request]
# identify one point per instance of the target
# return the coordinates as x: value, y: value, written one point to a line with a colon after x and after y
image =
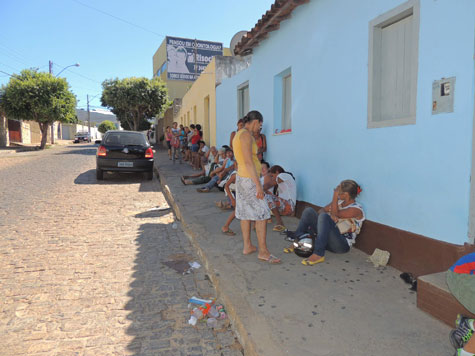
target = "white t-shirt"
x: 287, y: 189
x: 205, y: 149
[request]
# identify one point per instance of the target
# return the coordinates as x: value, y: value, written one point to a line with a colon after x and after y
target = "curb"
x: 237, y: 325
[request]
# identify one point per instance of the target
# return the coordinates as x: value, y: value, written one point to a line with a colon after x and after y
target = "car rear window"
x: 125, y: 138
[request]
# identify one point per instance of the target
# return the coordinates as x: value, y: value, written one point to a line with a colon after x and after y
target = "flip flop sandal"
x: 279, y: 228
x: 288, y: 250
x: 306, y: 262
x: 229, y: 232
x: 271, y: 259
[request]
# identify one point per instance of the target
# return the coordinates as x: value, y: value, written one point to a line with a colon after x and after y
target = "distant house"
x: 378, y: 91
x: 97, y: 116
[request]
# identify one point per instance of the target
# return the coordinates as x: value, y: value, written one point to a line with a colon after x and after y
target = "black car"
x: 82, y: 137
x: 124, y: 151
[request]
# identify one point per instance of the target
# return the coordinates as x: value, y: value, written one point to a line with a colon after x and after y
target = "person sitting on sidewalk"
x: 282, y: 203
x: 203, y: 152
x: 336, y: 225
x: 461, y: 283
x: 219, y: 174
x: 203, y: 177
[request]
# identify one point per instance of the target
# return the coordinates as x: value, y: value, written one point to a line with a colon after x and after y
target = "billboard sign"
x: 187, y: 58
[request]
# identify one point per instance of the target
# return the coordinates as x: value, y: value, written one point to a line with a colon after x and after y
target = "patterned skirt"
x: 248, y: 207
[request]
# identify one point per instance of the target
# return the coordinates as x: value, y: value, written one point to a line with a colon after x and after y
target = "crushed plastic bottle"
x: 212, y: 323
x: 197, y: 313
x: 213, y: 312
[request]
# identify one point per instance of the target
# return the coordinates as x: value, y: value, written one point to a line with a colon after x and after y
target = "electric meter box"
x: 443, y: 92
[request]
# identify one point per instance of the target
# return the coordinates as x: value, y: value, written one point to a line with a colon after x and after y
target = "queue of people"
x: 255, y: 190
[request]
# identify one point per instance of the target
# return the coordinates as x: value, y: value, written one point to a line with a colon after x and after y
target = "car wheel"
x: 99, y: 174
x: 149, y: 175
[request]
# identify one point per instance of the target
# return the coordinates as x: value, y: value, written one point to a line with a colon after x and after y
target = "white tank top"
x: 351, y: 236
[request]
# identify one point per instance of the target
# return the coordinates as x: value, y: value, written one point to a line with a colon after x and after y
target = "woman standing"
x: 261, y: 144
x: 168, y: 138
x: 250, y: 203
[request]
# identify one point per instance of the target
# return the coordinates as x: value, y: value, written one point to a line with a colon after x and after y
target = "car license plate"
x: 125, y: 164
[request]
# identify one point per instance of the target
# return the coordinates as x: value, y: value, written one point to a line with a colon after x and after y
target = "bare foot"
x: 248, y: 251
x: 270, y: 259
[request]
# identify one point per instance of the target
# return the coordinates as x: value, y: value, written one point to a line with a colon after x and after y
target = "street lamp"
x: 51, y: 72
x: 72, y: 65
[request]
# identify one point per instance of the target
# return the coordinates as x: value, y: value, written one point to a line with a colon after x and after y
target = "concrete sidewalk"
x: 344, y: 306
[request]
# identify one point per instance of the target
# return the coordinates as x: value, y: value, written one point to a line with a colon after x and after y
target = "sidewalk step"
x: 434, y: 297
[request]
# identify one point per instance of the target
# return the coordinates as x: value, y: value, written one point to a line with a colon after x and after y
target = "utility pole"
x: 52, y: 124
x: 88, y: 118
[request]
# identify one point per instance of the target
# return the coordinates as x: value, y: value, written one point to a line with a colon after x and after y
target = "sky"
x: 110, y: 38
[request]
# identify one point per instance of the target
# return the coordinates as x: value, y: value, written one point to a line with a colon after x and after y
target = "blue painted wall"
x: 414, y: 177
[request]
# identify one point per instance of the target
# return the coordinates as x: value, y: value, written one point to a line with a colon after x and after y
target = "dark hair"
x: 198, y: 126
x: 351, y: 187
x: 266, y: 163
x: 251, y: 116
x: 228, y: 150
x: 278, y: 169
x: 226, y: 147
x: 240, y: 121
x: 192, y: 126
x: 201, y: 142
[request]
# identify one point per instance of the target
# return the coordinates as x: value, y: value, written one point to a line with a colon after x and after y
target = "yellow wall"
x: 201, y: 99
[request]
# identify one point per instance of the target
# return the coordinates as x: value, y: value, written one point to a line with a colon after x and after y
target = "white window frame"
x: 411, y: 7
x: 240, y: 103
x: 286, y: 92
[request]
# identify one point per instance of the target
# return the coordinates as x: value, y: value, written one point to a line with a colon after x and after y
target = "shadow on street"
x: 118, y: 178
x: 152, y: 291
x: 80, y: 151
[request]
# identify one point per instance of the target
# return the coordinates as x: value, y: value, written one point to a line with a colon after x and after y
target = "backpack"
x: 175, y: 142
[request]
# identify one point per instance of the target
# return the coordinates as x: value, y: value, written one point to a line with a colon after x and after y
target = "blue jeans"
x: 328, y: 235
x: 210, y: 185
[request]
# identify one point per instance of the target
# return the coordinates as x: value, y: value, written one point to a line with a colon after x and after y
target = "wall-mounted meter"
x: 443, y: 92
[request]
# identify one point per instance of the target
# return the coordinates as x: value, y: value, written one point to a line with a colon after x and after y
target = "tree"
x: 105, y: 126
x: 39, y: 97
x: 3, y: 123
x: 135, y: 100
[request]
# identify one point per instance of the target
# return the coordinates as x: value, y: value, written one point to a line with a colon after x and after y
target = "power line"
x: 10, y: 66
x: 13, y: 56
x: 118, y: 18
x: 10, y: 75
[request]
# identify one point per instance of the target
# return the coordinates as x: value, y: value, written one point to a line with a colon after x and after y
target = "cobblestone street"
x: 81, y: 264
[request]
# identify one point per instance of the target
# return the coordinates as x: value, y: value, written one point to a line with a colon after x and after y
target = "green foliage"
x: 135, y: 100
x: 106, y: 126
x: 144, y: 125
x: 39, y: 97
